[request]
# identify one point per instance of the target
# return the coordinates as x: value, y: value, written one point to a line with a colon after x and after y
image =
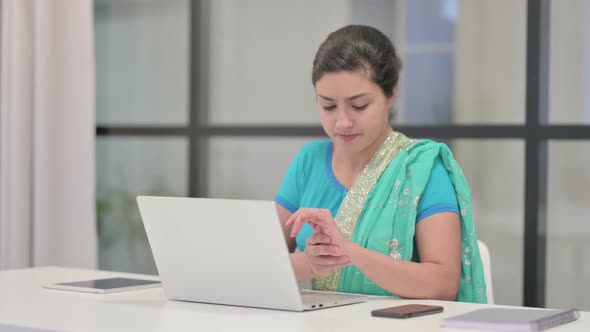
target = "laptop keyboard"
x: 324, y: 298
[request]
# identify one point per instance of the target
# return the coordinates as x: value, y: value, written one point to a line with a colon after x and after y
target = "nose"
x: 343, y: 120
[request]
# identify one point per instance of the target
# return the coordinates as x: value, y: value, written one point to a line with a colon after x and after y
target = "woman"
x: 371, y: 210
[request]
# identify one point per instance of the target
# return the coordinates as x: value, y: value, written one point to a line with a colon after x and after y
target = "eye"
x: 360, y: 108
x: 329, y: 107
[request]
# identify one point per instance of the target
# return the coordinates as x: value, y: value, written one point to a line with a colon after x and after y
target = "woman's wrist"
x: 350, y: 250
x: 301, y: 266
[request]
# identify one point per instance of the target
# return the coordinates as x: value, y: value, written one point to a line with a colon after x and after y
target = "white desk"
x: 24, y: 303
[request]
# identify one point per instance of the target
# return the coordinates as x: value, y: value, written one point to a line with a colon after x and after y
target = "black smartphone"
x: 407, y: 311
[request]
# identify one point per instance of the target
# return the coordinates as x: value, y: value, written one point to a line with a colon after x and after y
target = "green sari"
x: 379, y: 213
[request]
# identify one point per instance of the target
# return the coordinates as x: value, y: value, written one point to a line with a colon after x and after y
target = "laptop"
x: 229, y: 252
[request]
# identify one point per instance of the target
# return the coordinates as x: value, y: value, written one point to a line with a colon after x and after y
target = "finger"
x: 329, y: 260
x: 303, y: 216
x: 326, y: 269
x: 293, y: 217
x: 322, y: 250
x: 302, y: 211
x: 295, y: 223
x: 316, y: 222
x: 320, y: 218
x: 322, y: 226
x: 335, y: 265
x: 318, y: 238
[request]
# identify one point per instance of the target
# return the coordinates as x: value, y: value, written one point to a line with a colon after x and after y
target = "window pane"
x: 569, y: 67
x: 262, y: 75
x: 568, y: 230
x: 127, y: 167
x: 464, y: 61
x: 428, y: 92
x: 431, y: 21
x: 490, y: 53
x: 142, y: 62
x: 250, y: 168
x: 494, y: 169
x: 428, y: 72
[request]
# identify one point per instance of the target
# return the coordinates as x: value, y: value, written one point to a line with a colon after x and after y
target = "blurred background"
x: 214, y: 98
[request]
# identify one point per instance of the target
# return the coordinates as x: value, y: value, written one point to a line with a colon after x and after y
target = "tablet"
x: 103, y: 286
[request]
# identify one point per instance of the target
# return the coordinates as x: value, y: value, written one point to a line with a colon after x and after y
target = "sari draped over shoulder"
x: 380, y: 209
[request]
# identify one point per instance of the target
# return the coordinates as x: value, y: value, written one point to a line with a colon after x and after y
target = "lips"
x: 348, y: 138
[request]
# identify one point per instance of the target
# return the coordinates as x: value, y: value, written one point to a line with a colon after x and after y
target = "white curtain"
x: 47, y: 134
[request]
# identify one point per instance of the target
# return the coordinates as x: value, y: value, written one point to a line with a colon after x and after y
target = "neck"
x: 355, y: 162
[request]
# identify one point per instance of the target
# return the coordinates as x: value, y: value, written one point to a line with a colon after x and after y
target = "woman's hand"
x: 325, y: 248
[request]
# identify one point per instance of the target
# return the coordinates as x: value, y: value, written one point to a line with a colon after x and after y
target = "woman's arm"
x: 438, y: 240
x: 284, y: 215
x: 299, y: 260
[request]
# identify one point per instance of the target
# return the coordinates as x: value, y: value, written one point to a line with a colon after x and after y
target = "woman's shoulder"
x: 428, y: 147
x: 425, y: 143
x: 427, y: 151
x: 312, y: 156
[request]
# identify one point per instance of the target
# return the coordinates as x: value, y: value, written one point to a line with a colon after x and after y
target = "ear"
x: 393, y: 97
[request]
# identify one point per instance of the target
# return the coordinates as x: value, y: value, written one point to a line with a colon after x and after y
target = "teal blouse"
x: 310, y: 182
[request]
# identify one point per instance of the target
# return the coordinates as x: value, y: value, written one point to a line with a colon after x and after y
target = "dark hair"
x: 359, y: 48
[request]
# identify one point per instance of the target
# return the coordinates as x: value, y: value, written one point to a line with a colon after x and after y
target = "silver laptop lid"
x: 220, y: 251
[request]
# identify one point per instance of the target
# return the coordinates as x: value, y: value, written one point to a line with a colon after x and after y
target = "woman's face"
x: 354, y: 111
